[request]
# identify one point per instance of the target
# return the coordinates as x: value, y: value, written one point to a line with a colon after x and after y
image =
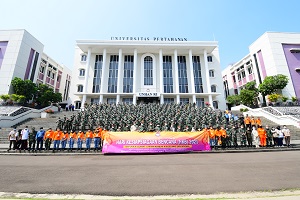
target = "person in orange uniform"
x: 64, y: 140
x: 73, y: 137
x: 258, y: 122
x: 89, y: 135
x: 97, y: 139
x: 57, y: 136
x: 48, y: 137
x: 262, y: 133
x: 253, y: 122
x: 218, y: 135
x: 223, y: 137
x: 80, y: 139
x: 103, y: 135
x: 247, y: 121
x: 212, y: 137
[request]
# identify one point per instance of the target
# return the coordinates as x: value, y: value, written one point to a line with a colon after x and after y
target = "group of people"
x: 248, y: 136
x: 33, y: 140
x: 225, y: 129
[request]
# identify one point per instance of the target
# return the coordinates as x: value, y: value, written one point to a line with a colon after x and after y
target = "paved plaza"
x: 140, y: 175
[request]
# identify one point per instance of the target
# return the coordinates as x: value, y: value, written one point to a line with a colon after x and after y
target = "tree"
x: 45, y: 95
x: 234, y: 99
x: 248, y: 96
x: 4, y: 97
x: 274, y: 97
x: 272, y: 84
x: 24, y: 87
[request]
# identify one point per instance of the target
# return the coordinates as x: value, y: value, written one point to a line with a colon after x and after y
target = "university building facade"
x: 271, y: 54
x: 147, y: 71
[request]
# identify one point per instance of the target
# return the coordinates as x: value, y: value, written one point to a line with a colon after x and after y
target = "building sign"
x: 148, y: 94
x: 149, y: 38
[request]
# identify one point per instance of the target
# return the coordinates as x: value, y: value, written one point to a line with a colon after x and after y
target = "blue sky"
x: 235, y: 24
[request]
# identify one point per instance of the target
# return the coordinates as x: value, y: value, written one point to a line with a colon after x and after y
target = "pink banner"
x: 155, y: 142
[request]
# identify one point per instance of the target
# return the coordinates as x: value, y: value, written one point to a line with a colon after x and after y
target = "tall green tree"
x: 24, y: 87
x: 234, y: 99
x: 45, y: 95
x: 271, y: 84
x: 249, y: 94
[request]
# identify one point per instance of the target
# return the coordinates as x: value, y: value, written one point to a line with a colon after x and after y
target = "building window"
x: 168, y: 76
x: 148, y: 70
x: 236, y: 91
x: 215, y: 104
x: 81, y: 72
x: 250, y: 70
x: 213, y: 88
x: 113, y: 74
x: 44, y: 61
x: 111, y: 100
x: 83, y: 58
x: 127, y: 100
x: 184, y: 101
x: 211, y: 73
x: 182, y: 75
x: 239, y: 76
x: 128, y: 74
x: 200, y: 102
x: 233, y: 78
x: 48, y: 73
x: 209, y: 58
x: 97, y: 74
x: 243, y: 74
x: 80, y: 88
x: 94, y: 100
x: 197, y: 74
x: 42, y: 69
x: 52, y: 75
x: 168, y: 100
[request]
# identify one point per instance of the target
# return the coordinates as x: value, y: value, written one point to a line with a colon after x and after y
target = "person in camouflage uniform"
x: 32, y: 139
x: 269, y: 136
x: 242, y: 134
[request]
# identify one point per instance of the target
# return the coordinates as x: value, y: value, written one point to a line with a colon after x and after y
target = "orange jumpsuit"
x: 247, y: 121
x: 253, y: 122
x: 258, y: 122
x: 262, y: 133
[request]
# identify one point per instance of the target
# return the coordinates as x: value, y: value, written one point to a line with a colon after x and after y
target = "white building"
x: 271, y: 54
x: 55, y: 75
x: 140, y: 70
x: 21, y: 55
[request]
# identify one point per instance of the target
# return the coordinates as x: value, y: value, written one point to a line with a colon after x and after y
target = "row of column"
x: 120, y: 71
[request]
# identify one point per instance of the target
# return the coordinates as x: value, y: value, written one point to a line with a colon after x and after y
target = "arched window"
x: 148, y: 70
x: 216, y: 104
x: 81, y: 72
x: 83, y: 58
x: 211, y: 73
x: 213, y: 88
x: 80, y: 88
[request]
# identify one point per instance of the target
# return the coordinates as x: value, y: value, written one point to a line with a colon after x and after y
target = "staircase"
x: 37, y: 123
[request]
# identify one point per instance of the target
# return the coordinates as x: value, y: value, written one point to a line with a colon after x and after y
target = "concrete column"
x: 134, y: 72
x: 118, y: 99
x: 161, y: 72
x: 120, y: 71
x: 176, y: 72
x: 86, y: 78
x: 207, y: 78
x: 101, y: 99
x: 178, y: 99
x: 161, y: 99
x: 191, y: 71
x: 194, y: 98
x: 102, y: 90
x: 55, y: 79
x: 134, y: 99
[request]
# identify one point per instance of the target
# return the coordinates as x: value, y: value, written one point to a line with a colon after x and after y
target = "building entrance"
x: 146, y: 100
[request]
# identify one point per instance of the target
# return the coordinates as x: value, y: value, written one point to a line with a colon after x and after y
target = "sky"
x: 235, y: 24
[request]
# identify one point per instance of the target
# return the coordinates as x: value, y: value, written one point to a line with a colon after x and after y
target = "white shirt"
x: 286, y: 132
x: 12, y: 135
x: 25, y: 133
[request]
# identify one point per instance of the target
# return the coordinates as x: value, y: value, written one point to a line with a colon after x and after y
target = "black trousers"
x: 12, y: 142
x: 24, y: 145
x: 39, y: 143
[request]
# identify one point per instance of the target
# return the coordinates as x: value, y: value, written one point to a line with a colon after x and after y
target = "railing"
x: 19, y: 111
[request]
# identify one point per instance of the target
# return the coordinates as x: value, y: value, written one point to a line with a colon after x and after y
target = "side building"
x: 21, y: 55
x: 271, y: 54
x: 129, y: 71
